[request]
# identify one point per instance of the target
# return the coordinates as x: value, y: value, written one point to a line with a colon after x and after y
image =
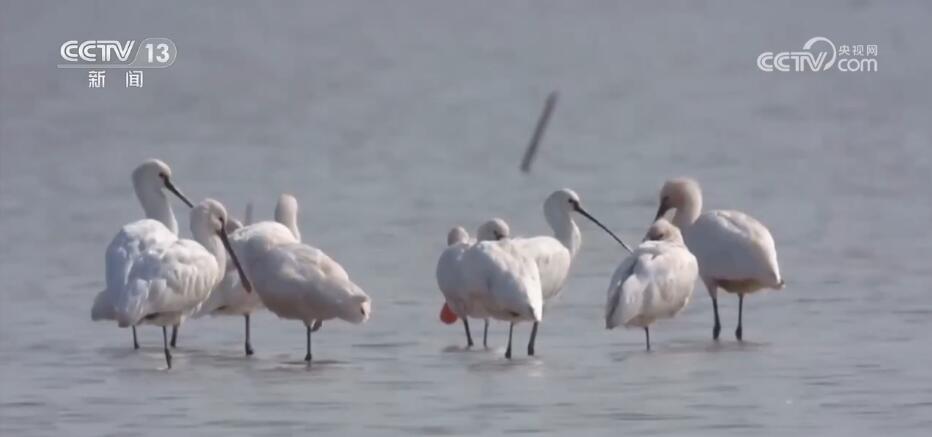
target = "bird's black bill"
x: 662, y: 209
x: 171, y: 187
x: 239, y: 268
x: 580, y: 210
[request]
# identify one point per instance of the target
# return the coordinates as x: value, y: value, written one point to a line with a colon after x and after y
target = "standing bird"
x: 655, y: 282
x: 735, y: 251
x: 126, y: 247
x: 170, y: 281
x: 297, y: 281
x: 230, y: 298
x: 554, y: 255
x: 459, y: 304
x: 504, y: 282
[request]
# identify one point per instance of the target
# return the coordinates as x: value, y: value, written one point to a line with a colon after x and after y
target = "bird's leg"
x: 135, y: 342
x: 168, y: 355
x: 530, y: 343
x: 485, y: 335
x: 468, y: 335
x: 308, y: 356
x: 718, y: 326
x: 511, y: 329
x: 174, y: 336
x: 647, y: 337
x: 740, y: 307
x: 248, y: 344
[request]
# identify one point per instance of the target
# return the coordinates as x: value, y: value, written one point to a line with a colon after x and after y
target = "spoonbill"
x: 459, y: 303
x: 504, y: 282
x: 735, y: 251
x: 655, y: 282
x: 171, y: 280
x: 159, y: 227
x: 554, y: 255
x: 299, y: 282
x: 230, y: 298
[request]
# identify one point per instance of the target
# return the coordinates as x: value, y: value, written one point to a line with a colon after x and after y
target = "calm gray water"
x: 391, y: 123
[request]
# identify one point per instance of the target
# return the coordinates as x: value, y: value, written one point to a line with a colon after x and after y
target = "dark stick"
x: 539, y: 132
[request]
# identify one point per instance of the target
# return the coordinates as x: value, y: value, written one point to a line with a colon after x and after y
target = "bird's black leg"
x: 530, y: 343
x: 468, y: 335
x: 740, y: 307
x: 485, y: 335
x: 135, y: 342
x: 308, y: 356
x: 248, y: 343
x: 718, y: 326
x: 511, y: 329
x: 647, y: 337
x: 174, y: 336
x: 168, y: 355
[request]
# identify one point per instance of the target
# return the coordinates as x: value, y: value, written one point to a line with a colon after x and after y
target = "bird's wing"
x: 308, y: 276
x: 732, y: 245
x: 623, y: 300
x: 504, y: 278
x: 553, y: 262
x: 167, y: 279
x: 128, y: 244
x: 669, y: 272
x: 124, y: 251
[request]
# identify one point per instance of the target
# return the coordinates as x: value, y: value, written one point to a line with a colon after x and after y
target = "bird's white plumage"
x: 300, y: 282
x: 230, y: 298
x: 169, y: 281
x: 295, y: 280
x: 734, y: 247
x: 735, y: 251
x: 135, y: 239
x: 503, y: 281
x: 656, y: 281
x: 449, y: 272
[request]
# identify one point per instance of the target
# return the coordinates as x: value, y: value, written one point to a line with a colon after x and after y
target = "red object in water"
x: 447, y: 315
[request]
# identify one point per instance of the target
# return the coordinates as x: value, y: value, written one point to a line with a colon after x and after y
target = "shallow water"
x: 390, y: 125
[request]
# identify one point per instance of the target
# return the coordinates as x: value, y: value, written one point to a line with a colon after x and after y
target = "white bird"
x: 299, y: 282
x: 554, y: 255
x: 170, y: 280
x: 133, y: 239
x: 503, y: 282
x: 735, y: 251
x: 655, y: 282
x: 230, y: 298
x: 459, y: 303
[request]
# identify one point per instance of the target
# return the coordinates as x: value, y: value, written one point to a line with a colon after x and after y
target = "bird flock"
x: 233, y: 268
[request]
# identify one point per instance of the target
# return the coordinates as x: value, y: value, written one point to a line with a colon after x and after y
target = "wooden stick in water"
x: 538, y: 132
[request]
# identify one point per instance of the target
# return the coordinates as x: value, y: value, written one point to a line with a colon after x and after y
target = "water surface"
x: 392, y: 123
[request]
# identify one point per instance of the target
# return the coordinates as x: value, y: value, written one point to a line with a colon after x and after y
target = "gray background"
x: 393, y: 121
